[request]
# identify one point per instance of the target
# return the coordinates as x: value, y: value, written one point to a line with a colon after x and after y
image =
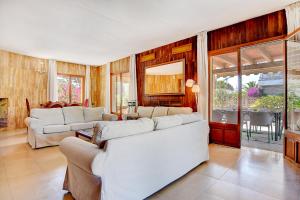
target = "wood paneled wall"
x: 22, y: 77
x: 120, y: 66
x: 259, y: 28
x: 70, y: 68
x: 98, y: 87
x: 162, y: 55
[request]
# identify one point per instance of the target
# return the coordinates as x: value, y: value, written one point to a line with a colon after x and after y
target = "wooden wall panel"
x: 22, y: 77
x: 98, y: 87
x: 162, y: 55
x: 70, y: 68
x: 120, y: 66
x: 259, y: 28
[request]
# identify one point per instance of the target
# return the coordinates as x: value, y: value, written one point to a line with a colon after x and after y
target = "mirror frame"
x: 165, y: 94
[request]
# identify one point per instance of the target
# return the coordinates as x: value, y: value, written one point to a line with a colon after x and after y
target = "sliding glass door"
x: 224, y: 99
x: 247, y: 96
x: 262, y: 103
x: 120, y: 93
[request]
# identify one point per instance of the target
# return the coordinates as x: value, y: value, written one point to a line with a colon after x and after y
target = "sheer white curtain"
x: 202, y: 71
x: 52, y: 81
x: 87, y: 83
x: 133, y: 81
x: 293, y: 17
x: 107, y: 88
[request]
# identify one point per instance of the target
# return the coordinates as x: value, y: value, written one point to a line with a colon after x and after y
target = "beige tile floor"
x: 230, y: 174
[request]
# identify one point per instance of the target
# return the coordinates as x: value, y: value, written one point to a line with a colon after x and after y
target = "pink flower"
x: 253, y: 92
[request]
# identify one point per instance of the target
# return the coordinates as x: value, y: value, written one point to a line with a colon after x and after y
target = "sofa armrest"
x: 35, y: 124
x: 83, y: 154
x: 109, y: 117
x: 131, y: 115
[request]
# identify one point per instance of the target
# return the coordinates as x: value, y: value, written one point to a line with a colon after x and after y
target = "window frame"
x: 70, y: 76
x: 121, y: 93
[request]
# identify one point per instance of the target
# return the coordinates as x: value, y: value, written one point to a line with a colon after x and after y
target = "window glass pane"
x: 63, y: 88
x: 118, y: 93
x: 113, y: 93
x: 224, y: 88
x: 293, y: 85
x: 125, y: 92
x: 76, y: 89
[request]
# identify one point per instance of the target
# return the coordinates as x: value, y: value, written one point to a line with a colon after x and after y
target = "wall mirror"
x: 165, y: 79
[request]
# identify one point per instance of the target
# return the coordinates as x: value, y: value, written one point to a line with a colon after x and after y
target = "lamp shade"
x: 189, y: 83
x: 196, y: 88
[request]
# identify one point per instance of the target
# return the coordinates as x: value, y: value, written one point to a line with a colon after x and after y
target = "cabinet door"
x: 298, y: 152
x: 290, y: 148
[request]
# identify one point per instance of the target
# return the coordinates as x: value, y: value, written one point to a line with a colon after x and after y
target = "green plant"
x: 223, y: 84
x: 248, y: 85
x: 271, y: 103
x: 293, y: 101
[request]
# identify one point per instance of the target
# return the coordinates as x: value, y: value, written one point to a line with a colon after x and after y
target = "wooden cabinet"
x: 226, y: 134
x: 292, y: 146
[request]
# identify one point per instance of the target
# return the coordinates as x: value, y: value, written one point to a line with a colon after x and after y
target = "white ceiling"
x: 99, y: 31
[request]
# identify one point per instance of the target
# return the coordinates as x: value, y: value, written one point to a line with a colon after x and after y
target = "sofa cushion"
x: 116, y: 129
x: 56, y: 128
x: 145, y: 111
x: 179, y: 110
x: 160, y: 111
x: 190, y: 118
x: 73, y: 114
x: 93, y: 114
x: 165, y: 122
x: 81, y: 126
x: 49, y: 116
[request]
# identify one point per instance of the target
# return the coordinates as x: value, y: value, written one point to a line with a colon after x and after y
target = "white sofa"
x: 47, y: 127
x: 150, y: 112
x: 140, y: 157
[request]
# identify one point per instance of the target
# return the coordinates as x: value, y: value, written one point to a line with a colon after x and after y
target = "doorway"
x: 247, y: 96
x: 263, y: 94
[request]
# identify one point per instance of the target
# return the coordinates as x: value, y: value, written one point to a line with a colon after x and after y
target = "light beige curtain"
x: 107, y: 91
x: 52, y: 81
x: 87, y: 84
x: 202, y: 71
x: 133, y: 81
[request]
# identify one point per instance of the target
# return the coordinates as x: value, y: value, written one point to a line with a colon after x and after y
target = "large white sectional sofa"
x: 47, y: 127
x: 139, y: 158
x: 151, y: 112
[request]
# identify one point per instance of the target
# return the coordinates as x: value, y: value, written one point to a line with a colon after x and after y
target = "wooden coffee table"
x: 86, y: 134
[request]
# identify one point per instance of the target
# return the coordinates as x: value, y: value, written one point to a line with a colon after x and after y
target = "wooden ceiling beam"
x: 226, y: 59
x: 219, y: 64
x: 265, y: 54
x: 254, y: 67
x: 247, y: 58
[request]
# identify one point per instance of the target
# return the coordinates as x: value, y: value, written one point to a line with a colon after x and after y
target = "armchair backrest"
x: 261, y: 118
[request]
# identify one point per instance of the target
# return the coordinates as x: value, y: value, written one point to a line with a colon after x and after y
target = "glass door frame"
x: 121, y: 93
x: 221, y: 128
x: 286, y: 39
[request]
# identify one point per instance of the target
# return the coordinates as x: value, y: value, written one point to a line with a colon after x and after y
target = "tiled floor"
x: 230, y: 174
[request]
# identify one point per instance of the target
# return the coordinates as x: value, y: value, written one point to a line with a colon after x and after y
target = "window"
x: 224, y: 88
x: 120, y: 92
x: 70, y: 88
